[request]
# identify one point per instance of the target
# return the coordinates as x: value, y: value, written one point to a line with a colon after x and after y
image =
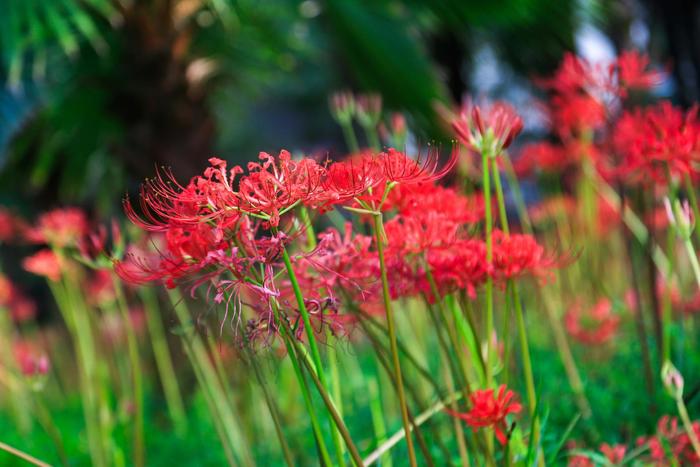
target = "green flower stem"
x: 376, y: 411
x: 683, y: 412
x: 315, y: 354
x: 330, y: 406
x: 350, y: 138
x: 372, y: 137
x: 17, y: 399
x: 136, y: 372
x: 77, y: 321
x: 272, y: 407
x: 514, y: 185
x: 331, y: 354
x: 693, y: 203
x: 207, y: 376
x: 527, y: 363
x: 500, y: 198
x: 486, y: 179
x: 568, y: 361
x: 164, y: 362
x: 305, y: 316
x: 693, y: 258
x: 378, y: 229
x: 467, y: 332
x: 304, y: 387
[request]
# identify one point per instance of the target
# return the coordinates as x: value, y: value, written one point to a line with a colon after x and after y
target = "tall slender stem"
x: 486, y: 179
x: 378, y: 229
x: 136, y: 372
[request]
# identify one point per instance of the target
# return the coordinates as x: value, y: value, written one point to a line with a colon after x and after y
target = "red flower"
x: 593, y: 326
x: 43, y: 263
x: 656, y: 140
x: 516, y: 255
x: 274, y: 185
x: 488, y: 130
x: 670, y: 436
x: 31, y: 360
x: 631, y: 67
x: 488, y: 410
x: 60, y: 227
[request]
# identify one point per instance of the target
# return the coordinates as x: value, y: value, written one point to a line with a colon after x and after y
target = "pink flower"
x: 43, y: 263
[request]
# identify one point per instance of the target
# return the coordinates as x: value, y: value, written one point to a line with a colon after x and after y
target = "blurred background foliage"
x: 96, y: 93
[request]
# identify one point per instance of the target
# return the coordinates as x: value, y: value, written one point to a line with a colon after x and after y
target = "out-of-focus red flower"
x: 517, y: 255
x: 43, y: 263
x: 614, y: 453
x: 544, y: 157
x: 490, y: 410
x: 669, y: 435
x: 11, y: 226
x: 576, y: 114
x: 100, y: 287
x: 31, y: 360
x: 656, y: 141
x: 487, y: 129
x: 596, y: 325
x: 60, y: 227
x: 632, y: 72
x: 551, y: 209
x: 21, y: 307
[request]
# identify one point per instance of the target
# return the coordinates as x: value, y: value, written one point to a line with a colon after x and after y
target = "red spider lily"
x: 657, y: 141
x: 545, y: 157
x: 551, y: 209
x: 100, y: 288
x: 596, y: 325
x: 632, y: 73
x: 488, y: 130
x: 60, y: 227
x: 278, y: 184
x: 517, y: 255
x: 12, y: 227
x: 340, y: 262
x: 351, y: 178
x: 489, y: 410
x: 461, y: 267
x: 575, y: 114
x: 164, y: 202
x: 421, y: 199
x: 400, y: 168
x: 21, y: 307
x: 669, y: 434
x: 44, y: 263
x: 32, y: 361
x: 614, y: 453
x: 574, y: 75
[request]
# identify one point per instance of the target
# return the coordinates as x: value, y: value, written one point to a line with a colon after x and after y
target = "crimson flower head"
x: 489, y: 129
x: 44, y: 263
x: 632, y: 72
x: 276, y: 184
x: 517, y: 255
x: 400, y: 168
x: 596, y: 325
x: 491, y: 410
x: 60, y: 227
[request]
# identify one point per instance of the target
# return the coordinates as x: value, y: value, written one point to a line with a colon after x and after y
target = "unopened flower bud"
x: 342, y: 107
x: 368, y: 109
x: 672, y: 379
x: 680, y: 217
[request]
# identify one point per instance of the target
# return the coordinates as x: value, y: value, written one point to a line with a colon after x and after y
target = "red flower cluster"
x: 21, y: 307
x: 670, y: 434
x: 490, y: 410
x: 594, y: 326
x: 656, y: 141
